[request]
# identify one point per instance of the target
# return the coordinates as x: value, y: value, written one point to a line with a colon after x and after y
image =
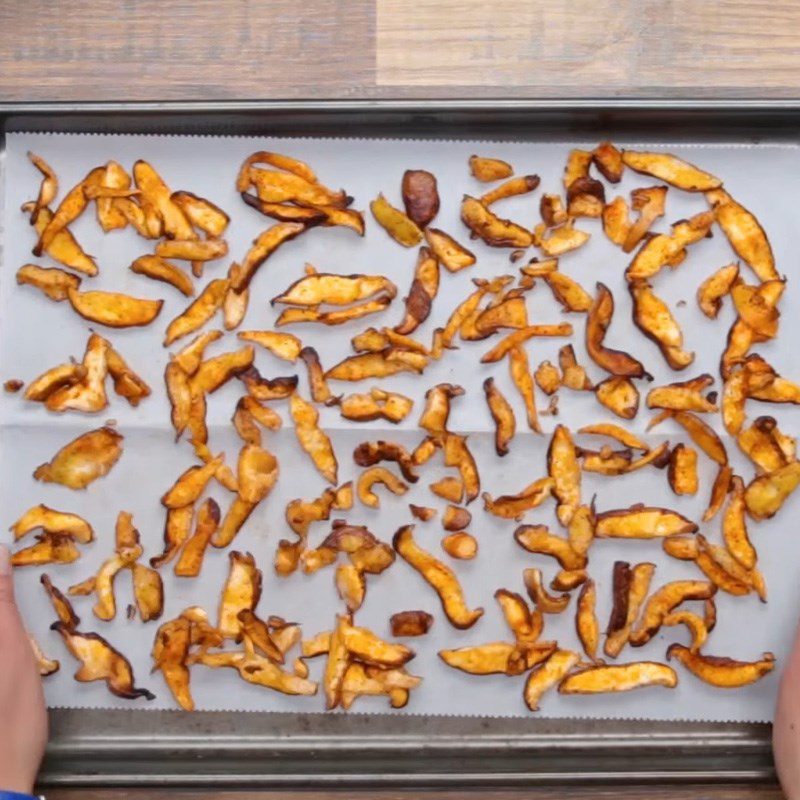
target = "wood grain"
x: 591, y: 48
x: 691, y: 792
x: 283, y: 49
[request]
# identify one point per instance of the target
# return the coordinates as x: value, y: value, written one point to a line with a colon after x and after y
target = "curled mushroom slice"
x: 745, y: 234
x: 663, y: 601
x: 494, y: 231
x: 424, y: 288
x: 505, y: 423
x: 714, y: 288
x: 441, y: 578
x: 726, y: 673
x: 544, y: 601
x: 598, y: 321
x: 374, y: 475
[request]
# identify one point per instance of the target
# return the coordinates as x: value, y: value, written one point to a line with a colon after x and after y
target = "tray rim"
x: 731, y: 752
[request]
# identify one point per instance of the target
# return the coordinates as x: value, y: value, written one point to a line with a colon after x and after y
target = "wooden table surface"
x: 242, y: 49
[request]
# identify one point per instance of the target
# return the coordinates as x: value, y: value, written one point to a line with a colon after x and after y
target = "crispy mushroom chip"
x: 83, y: 460
x: 440, y: 577
x: 114, y: 309
x: 713, y: 289
x: 312, y: 438
x: 489, y: 169
x: 642, y: 522
x: 493, y: 230
x: 671, y: 169
x: 619, y: 678
x: 723, y: 672
x: 598, y: 321
x: 101, y: 662
x: 654, y: 319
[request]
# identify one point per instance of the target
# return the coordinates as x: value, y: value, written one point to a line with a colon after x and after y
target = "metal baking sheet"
x: 161, y: 747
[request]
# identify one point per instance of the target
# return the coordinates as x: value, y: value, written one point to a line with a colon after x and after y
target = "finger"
x: 6, y: 579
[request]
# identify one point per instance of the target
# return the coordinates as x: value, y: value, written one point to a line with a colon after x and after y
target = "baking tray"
x: 162, y: 748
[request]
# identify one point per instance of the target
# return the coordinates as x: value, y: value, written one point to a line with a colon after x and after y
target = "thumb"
x: 6, y: 579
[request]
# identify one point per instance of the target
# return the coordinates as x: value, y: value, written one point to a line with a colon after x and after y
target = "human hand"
x: 23, y: 716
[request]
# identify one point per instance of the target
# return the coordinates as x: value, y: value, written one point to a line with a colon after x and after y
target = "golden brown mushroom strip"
x: 320, y: 391
x: 630, y: 588
x: 734, y: 526
x: 519, y: 368
x: 745, y: 234
x: 89, y: 395
x: 457, y: 454
x: 52, y: 521
x: 547, y: 676
x: 671, y: 169
x: 714, y: 288
x: 196, y: 251
x: 694, y: 624
x: 374, y: 475
x: 514, y: 506
x: 64, y: 248
x: 283, y: 345
x: 723, y: 672
x: 53, y: 282
x: 437, y: 407
x: 649, y: 202
x: 505, y: 424
x: 47, y: 666
x: 642, y: 522
x: 564, y: 469
x: 669, y: 249
x: 598, y: 321
x: 263, y: 247
x: 619, y: 678
x: 663, y: 601
x: 48, y: 189
x: 49, y: 382
x: 114, y: 309
x: 538, y: 539
x: 156, y: 194
x: 423, y: 290
x: 517, y: 338
x: 652, y: 317
x: 200, y: 311
x: 278, y: 160
x: 242, y: 591
x: 719, y: 490
x: 608, y: 161
x: 50, y: 548
x: 682, y: 470
x: 83, y: 460
x: 202, y: 213
x: 177, y: 528
x: 397, y: 224
x: 160, y: 269
x: 170, y: 653
x: 493, y: 230
x: 495, y: 658
x: 766, y: 446
x: 522, y: 184
x: 700, y: 432
x: 325, y: 287
x: 542, y: 599
x: 683, y: 395
x: 100, y: 661
x: 378, y: 404
x: 190, y: 561
x: 440, y: 577
x: 453, y: 256
x: 376, y: 365
x: 61, y: 604
x: 489, y: 169
x: 312, y: 438
x: 766, y: 494
x: 71, y: 207
x: 616, y: 221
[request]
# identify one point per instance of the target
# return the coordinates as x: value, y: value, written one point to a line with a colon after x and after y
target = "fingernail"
x: 5, y: 561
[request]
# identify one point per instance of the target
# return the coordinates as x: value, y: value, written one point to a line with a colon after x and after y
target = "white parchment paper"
x: 36, y: 334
